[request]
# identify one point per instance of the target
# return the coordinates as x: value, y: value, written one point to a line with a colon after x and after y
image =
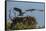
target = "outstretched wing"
x: 31, y: 10
x: 19, y: 10
x: 41, y: 10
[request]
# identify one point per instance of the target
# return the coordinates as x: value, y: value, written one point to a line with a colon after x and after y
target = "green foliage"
x: 29, y: 23
x: 8, y: 25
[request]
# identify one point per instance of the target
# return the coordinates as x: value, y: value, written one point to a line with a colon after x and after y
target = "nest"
x: 27, y: 22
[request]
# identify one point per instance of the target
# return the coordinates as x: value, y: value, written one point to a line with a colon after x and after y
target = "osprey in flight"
x: 20, y: 11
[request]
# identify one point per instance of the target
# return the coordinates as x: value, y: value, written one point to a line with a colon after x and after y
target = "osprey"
x: 20, y: 11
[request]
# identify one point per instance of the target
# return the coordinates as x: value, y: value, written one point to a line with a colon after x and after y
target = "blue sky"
x: 25, y: 6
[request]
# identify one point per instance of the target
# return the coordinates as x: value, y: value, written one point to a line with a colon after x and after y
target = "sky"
x: 25, y: 6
